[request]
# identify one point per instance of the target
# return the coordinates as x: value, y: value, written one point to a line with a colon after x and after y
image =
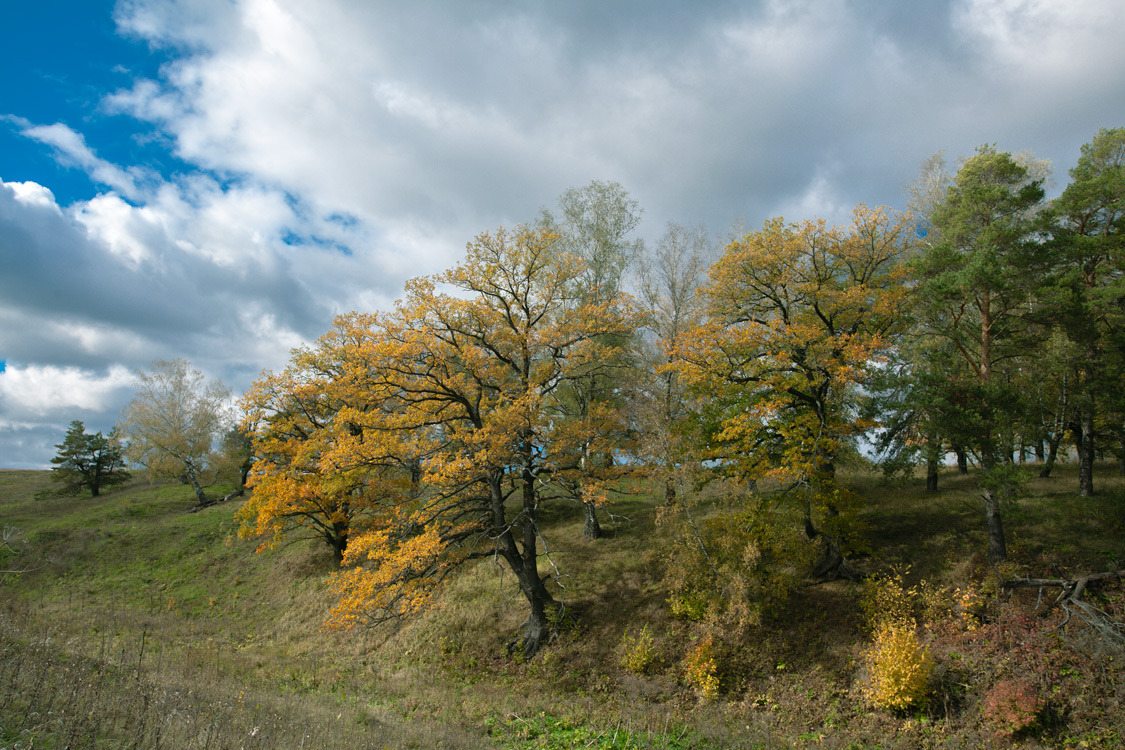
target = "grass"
x: 136, y: 624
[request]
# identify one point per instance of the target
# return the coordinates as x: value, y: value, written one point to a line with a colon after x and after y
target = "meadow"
x: 128, y: 622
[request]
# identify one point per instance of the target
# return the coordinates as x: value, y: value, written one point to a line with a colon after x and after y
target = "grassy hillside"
x: 127, y: 622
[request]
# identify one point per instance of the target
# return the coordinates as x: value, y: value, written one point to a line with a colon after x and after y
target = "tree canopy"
x: 173, y: 421
x: 88, y: 461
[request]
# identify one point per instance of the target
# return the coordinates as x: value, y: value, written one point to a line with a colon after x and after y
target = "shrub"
x: 735, y: 568
x: 899, y: 667
x: 969, y: 603
x: 1011, y: 706
x: 701, y: 669
x: 638, y: 651
x: 886, y: 600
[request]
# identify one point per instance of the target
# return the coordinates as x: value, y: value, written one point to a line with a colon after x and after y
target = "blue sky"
x: 70, y: 56
x: 216, y: 179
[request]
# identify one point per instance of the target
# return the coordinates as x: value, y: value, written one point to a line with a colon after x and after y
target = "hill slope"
x: 128, y: 622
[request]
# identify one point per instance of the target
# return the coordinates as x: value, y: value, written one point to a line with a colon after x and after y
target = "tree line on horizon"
x: 984, y: 322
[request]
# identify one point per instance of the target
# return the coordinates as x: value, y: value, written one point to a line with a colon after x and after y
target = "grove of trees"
x: 984, y: 325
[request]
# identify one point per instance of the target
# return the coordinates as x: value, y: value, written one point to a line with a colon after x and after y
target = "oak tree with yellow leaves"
x: 798, y: 314
x: 459, y: 382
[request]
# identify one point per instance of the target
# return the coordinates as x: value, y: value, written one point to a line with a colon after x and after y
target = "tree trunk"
x: 338, y: 537
x: 997, y: 549
x: 591, y: 529
x: 1052, y: 454
x: 201, y: 499
x: 339, y: 546
x: 415, y: 477
x: 1086, y: 451
x: 523, y: 557
x: 962, y: 459
x: 830, y: 563
x: 933, y: 457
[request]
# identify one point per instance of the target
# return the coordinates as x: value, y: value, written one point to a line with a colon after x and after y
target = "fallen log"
x: 1071, y: 603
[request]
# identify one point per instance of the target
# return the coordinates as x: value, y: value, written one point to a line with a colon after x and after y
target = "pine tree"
x: 88, y: 461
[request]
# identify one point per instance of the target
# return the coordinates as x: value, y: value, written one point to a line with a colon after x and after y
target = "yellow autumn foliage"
x: 899, y: 667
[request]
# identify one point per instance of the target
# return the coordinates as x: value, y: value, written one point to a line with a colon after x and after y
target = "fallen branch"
x: 215, y: 501
x: 1070, y: 601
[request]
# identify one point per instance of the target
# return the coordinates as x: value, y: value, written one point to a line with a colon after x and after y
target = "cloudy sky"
x: 215, y: 179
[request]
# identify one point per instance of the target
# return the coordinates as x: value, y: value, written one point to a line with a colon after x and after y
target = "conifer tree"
x: 86, y: 461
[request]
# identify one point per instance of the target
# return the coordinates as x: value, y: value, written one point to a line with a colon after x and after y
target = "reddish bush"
x: 1011, y: 706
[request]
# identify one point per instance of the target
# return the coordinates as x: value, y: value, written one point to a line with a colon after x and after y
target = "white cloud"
x: 72, y: 148
x: 43, y: 390
x: 820, y: 199
x: 1059, y: 39
x: 331, y: 150
x: 32, y: 194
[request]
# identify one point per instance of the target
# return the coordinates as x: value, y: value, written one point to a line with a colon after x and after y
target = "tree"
x: 459, y: 380
x: 313, y: 473
x: 235, y: 457
x: 595, y: 225
x: 86, y: 461
x: 173, y: 422
x: 798, y: 313
x: 670, y: 280
x: 973, y: 289
x: 1086, y: 222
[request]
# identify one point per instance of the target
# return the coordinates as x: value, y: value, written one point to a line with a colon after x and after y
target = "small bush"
x: 885, y: 600
x: 969, y: 603
x: 899, y: 668
x: 1011, y: 706
x: 688, y: 606
x: 638, y: 651
x: 701, y: 669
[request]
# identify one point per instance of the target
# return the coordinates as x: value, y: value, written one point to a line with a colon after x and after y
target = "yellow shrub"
x: 899, y: 667
x: 886, y: 600
x: 701, y: 669
x: 638, y: 651
x: 968, y: 602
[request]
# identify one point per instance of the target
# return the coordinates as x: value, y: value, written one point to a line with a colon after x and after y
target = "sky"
x: 217, y: 179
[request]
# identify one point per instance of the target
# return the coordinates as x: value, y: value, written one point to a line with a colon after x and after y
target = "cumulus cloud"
x: 38, y: 390
x: 332, y: 150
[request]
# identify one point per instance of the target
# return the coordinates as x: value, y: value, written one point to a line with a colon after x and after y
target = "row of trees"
x: 985, y: 324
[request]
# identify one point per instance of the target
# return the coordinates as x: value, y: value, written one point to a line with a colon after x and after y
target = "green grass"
x: 136, y: 623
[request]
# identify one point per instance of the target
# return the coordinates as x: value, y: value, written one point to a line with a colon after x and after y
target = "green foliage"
x: 689, y: 605
x: 550, y: 732
x: 736, y: 567
x: 88, y: 462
